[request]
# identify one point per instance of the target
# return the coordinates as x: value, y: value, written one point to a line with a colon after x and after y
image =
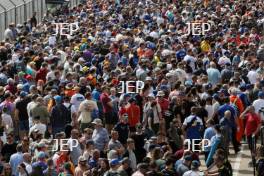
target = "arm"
x: 212, y: 152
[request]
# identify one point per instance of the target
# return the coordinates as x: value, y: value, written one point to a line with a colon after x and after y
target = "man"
x: 16, y: 159
x: 194, y: 169
x: 208, y: 134
x: 41, y: 110
x: 125, y: 169
x: 122, y: 127
x: 38, y: 126
x: 130, y: 153
x: 27, y: 162
x: 193, y: 125
x: 82, y: 166
x: 100, y: 135
x: 184, y: 166
x: 164, y: 105
x: 76, y: 150
x: 142, y: 169
x: 9, y: 148
x: 85, y: 111
x: 60, y: 116
x: 114, y: 143
x: 21, y: 114
x: 133, y: 112
x: 114, y: 165
x: 214, y: 75
x: 259, y: 104
x: 33, y: 20
x: 30, y: 106
x: 107, y: 108
x: 77, y: 98
x: 41, y: 162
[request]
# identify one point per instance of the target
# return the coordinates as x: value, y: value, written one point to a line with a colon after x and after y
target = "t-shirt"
x: 21, y: 106
x: 106, y: 99
x: 252, y: 123
x: 85, y: 110
x: 194, y: 129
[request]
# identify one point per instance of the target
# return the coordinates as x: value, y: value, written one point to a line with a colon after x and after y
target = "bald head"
x: 228, y: 114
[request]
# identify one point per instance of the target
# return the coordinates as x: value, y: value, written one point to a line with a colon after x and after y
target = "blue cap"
x: 127, y: 95
x: 215, y: 96
x: 114, y: 162
x: 261, y: 94
x: 41, y: 155
x: 57, y: 99
x: 23, y: 94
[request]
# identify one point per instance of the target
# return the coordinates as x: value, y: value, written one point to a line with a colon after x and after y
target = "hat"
x: 97, y: 122
x: 23, y: 94
x: 41, y: 155
x: 41, y: 144
x: 151, y: 96
x: 160, y: 94
x: 20, y: 86
x: 28, y: 77
x: 57, y: 99
x: 195, y: 164
x: 82, y: 159
x: 114, y: 162
x: 188, y: 158
x: 261, y: 94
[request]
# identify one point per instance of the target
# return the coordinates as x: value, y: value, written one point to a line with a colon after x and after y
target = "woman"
x: 104, y: 166
x: 7, y: 170
x: 252, y: 126
x: 22, y: 170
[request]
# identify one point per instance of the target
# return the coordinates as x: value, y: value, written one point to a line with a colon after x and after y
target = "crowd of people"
x: 69, y: 98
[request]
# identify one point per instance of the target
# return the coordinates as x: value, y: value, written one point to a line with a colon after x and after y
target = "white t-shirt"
x: 30, y: 106
x: 253, y: 76
x: 210, y: 110
x: 41, y: 127
x: 191, y: 173
x: 85, y: 114
x: 189, y: 119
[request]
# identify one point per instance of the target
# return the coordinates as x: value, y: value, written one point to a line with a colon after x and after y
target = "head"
x: 114, y: 135
x: 228, y: 114
x: 131, y: 144
x: 74, y: 134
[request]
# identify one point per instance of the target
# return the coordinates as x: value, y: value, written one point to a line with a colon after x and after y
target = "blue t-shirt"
x: 208, y: 134
x: 221, y: 112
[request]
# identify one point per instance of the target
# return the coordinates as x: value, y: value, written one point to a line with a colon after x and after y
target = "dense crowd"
x: 65, y: 110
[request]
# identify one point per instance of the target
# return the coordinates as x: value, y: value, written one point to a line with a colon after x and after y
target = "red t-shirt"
x: 164, y: 105
x: 252, y: 123
x: 133, y: 112
x: 104, y: 98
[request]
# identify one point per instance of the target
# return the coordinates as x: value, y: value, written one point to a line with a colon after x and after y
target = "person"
x: 60, y: 116
x: 67, y: 170
x: 100, y: 135
x: 82, y: 166
x: 50, y: 171
x: 114, y: 143
x: 16, y: 159
x: 208, y: 134
x: 184, y: 166
x: 133, y: 112
x: 194, y: 169
x: 130, y: 153
x: 114, y: 165
x: 252, y: 126
x: 169, y: 170
x: 27, y: 162
x: 108, y: 109
x: 21, y: 114
x: 33, y: 20
x: 122, y: 127
x: 76, y: 151
x: 9, y: 147
x: 39, y: 109
x: 85, y: 112
x: 142, y: 169
x: 125, y: 169
x: 41, y: 162
x: 38, y: 125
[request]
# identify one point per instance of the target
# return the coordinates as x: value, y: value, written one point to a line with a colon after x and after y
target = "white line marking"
x: 238, y: 160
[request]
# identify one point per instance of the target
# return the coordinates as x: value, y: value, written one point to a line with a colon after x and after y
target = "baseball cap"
x: 57, y: 98
x: 114, y: 162
x: 41, y: 155
x: 261, y: 94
